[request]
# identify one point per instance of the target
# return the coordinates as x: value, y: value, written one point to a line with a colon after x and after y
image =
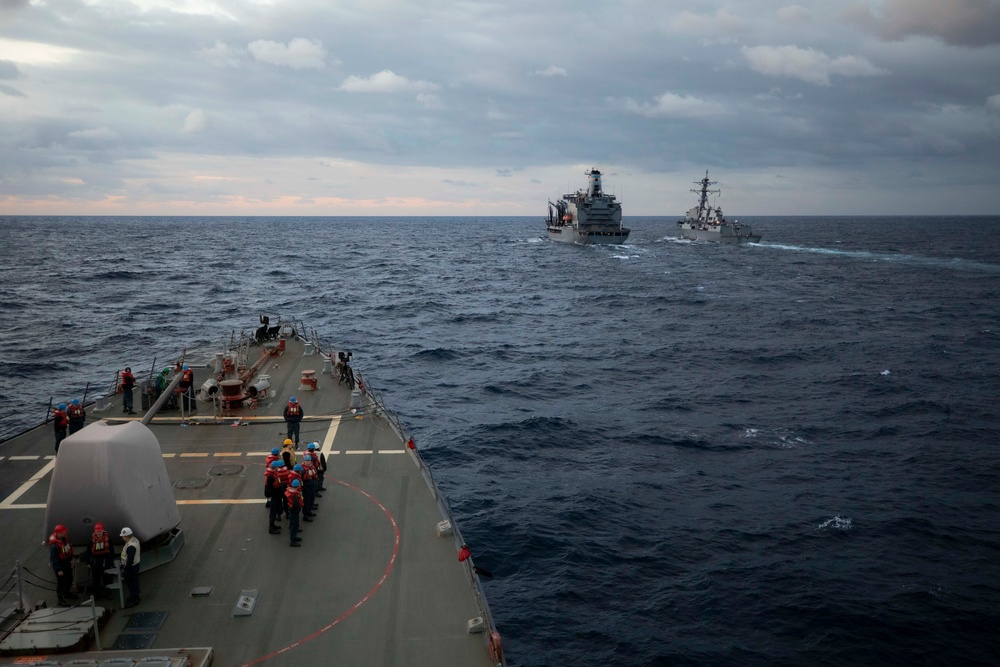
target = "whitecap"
x: 836, y: 523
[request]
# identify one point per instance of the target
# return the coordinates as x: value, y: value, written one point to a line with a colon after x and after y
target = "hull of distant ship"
x: 569, y: 234
x: 725, y: 235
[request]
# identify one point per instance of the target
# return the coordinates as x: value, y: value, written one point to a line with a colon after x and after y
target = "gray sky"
x: 438, y: 107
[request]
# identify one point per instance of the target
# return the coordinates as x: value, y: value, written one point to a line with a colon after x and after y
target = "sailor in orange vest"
x: 310, y: 480
x: 186, y: 385
x: 77, y: 416
x: 319, y: 460
x: 275, y: 455
x: 100, y: 559
x: 276, y: 479
x: 294, y: 497
x: 61, y: 420
x: 128, y: 382
x: 293, y: 416
x: 61, y: 560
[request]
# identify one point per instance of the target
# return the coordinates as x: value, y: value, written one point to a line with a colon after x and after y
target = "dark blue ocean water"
x: 669, y: 453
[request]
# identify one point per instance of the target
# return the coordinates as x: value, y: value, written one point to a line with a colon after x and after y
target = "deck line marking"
x: 25, y: 506
x: 168, y: 456
x: 374, y: 589
x: 229, y: 454
x: 224, y: 501
x: 24, y: 458
x: 359, y: 451
x: 392, y: 451
x: 330, y: 433
x: 194, y: 455
x: 23, y: 489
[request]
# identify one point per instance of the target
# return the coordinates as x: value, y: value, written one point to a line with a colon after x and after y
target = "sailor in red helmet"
x: 186, y: 385
x: 61, y: 421
x: 128, y: 383
x: 61, y: 560
x: 100, y: 559
x: 293, y: 416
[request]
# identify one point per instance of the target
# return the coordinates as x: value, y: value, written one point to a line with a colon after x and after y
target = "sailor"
x: 319, y: 460
x: 275, y: 455
x: 100, y: 559
x: 277, y: 474
x: 128, y: 383
x: 130, y: 566
x: 293, y: 416
x: 288, y: 453
x: 77, y: 415
x: 61, y: 560
x: 310, y: 480
x: 187, y: 388
x: 294, y: 498
x: 160, y: 383
x: 295, y: 473
x: 61, y: 421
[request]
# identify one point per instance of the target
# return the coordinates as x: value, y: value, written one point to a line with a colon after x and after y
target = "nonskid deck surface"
x: 372, y: 584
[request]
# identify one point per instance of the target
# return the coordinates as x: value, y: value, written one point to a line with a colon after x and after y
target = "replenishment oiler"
x: 705, y: 222
x: 587, y: 216
x: 381, y: 575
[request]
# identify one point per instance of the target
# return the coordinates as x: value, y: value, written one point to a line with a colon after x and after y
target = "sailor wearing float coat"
x: 130, y: 566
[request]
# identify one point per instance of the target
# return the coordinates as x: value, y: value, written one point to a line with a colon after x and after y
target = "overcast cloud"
x: 326, y: 107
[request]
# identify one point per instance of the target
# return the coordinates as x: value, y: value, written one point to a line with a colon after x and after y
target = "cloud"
x: 385, y: 81
x: 9, y: 91
x: 196, y: 122
x: 505, y: 172
x: 808, y: 65
x: 993, y: 102
x: 299, y: 54
x: 669, y: 105
x: 222, y: 54
x: 94, y: 136
x: 707, y: 25
x: 429, y: 101
x: 794, y: 15
x: 969, y: 23
x: 551, y: 70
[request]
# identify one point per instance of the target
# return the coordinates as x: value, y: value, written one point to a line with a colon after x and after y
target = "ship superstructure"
x: 587, y: 216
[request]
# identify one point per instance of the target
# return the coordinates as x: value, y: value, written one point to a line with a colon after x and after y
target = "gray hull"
x: 723, y: 233
x: 570, y: 234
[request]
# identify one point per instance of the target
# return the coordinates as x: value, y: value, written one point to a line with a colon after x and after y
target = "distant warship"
x: 706, y: 223
x: 587, y: 216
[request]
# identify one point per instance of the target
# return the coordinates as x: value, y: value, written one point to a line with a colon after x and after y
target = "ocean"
x: 667, y: 453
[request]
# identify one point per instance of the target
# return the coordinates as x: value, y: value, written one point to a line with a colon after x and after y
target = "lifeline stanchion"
x: 93, y: 614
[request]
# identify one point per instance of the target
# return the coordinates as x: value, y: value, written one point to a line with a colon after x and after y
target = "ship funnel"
x: 594, y: 189
x: 114, y: 474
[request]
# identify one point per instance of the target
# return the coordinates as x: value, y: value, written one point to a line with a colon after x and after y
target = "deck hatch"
x: 146, y: 620
x: 192, y: 483
x: 226, y: 469
x: 132, y: 641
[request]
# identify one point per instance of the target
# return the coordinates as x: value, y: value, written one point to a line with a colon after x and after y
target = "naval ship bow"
x: 383, y: 576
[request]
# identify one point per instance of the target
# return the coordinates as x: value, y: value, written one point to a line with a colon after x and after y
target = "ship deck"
x: 372, y: 584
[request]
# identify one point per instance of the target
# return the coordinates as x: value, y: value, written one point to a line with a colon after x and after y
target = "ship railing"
x: 374, y: 405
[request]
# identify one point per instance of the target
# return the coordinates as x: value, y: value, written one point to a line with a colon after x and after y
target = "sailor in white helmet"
x: 130, y: 566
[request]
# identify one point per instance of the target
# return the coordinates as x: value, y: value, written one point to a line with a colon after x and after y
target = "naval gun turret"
x: 115, y: 474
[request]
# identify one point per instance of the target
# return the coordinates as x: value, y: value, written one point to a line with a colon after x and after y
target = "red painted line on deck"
x: 368, y: 595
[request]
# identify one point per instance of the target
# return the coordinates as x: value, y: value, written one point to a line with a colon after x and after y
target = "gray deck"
x: 373, y: 584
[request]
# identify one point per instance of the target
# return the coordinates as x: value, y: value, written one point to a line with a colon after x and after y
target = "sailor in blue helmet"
x: 276, y: 480
x: 293, y: 416
x: 294, y: 497
x: 275, y: 455
x: 77, y: 415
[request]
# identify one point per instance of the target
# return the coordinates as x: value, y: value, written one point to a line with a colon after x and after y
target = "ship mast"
x: 704, y: 191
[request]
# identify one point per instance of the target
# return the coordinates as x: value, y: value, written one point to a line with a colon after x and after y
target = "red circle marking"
x: 374, y: 589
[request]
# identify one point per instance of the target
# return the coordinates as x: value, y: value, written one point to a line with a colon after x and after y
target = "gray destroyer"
x: 705, y: 222
x: 587, y: 216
